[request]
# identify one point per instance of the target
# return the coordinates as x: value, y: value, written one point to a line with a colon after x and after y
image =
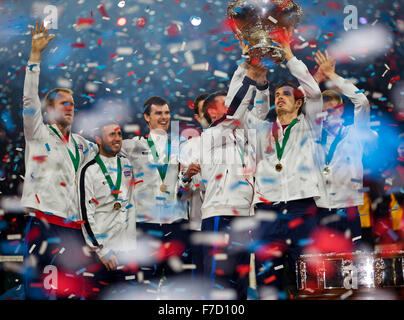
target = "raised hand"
x: 193, y: 169
x: 39, y: 41
x: 283, y: 37
x: 326, y: 66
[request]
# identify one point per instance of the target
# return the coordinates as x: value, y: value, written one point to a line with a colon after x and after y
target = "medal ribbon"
x: 162, y: 169
x: 75, y: 159
x: 240, y: 150
x: 117, y: 185
x: 279, y: 149
x: 333, y: 146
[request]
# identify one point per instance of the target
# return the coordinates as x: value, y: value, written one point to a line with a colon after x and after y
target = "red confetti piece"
x: 243, y: 269
x: 54, y: 251
x: 235, y: 212
x: 139, y: 81
x: 112, y: 55
x: 334, y: 5
x: 95, y: 201
x: 78, y: 45
x: 394, y: 79
x: 85, y: 21
x: 294, y: 223
x: 270, y: 279
x: 133, y: 183
x: 116, y: 191
x: 39, y: 159
x: 190, y: 104
x: 99, y: 42
x: 219, y: 176
x: 141, y: 22
x: 264, y: 200
x: 219, y: 272
x: 37, y: 199
x: 63, y: 184
x: 103, y: 11
x: 131, y: 72
x: 197, y: 185
x: 228, y: 49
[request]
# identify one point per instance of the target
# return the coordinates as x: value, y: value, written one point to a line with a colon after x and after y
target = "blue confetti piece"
x: 101, y: 236
x: 305, y: 242
x: 360, y: 91
x: 155, y: 233
x: 238, y: 10
x: 85, y: 151
x: 356, y: 180
x: 139, y: 175
x: 161, y: 198
x: 47, y: 147
x: 129, y: 206
x: 31, y: 66
x: 219, y: 286
x: 364, y: 189
x: 80, y: 271
x: 53, y: 240
x: 28, y: 111
x: 268, y: 180
x: 260, y: 101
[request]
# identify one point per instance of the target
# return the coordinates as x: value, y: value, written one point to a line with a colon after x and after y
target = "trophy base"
x: 273, y: 53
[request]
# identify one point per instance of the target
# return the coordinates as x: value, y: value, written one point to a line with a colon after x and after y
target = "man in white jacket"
x: 342, y: 151
x: 107, y: 204
x: 160, y: 207
x: 225, y: 152
x: 53, y: 156
x: 287, y: 178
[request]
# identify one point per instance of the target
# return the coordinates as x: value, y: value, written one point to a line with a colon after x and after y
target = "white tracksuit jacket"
x: 227, y: 191
x: 49, y: 183
x: 152, y: 205
x: 106, y: 229
x: 344, y: 183
x: 300, y: 177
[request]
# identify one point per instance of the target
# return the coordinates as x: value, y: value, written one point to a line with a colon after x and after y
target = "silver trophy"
x: 255, y: 21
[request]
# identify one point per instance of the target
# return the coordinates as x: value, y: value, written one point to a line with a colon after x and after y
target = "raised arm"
x: 32, y: 115
x: 326, y: 71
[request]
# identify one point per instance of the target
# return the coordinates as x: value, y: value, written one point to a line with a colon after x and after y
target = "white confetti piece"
x: 220, y: 74
x: 43, y: 247
x: 13, y: 236
x: 131, y: 277
x: 32, y: 248
x: 346, y: 295
x: 272, y: 19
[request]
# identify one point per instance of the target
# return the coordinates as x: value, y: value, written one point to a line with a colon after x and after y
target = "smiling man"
x: 106, y: 203
x: 53, y: 156
x: 160, y: 210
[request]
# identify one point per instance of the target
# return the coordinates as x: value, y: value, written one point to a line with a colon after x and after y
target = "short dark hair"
x: 209, y: 100
x: 198, y: 99
x: 52, y: 94
x: 297, y: 93
x: 97, y: 131
x: 159, y: 101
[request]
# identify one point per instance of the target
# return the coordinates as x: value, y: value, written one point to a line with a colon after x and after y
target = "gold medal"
x: 117, y: 206
x: 326, y: 170
x: 163, y: 187
x: 278, y: 167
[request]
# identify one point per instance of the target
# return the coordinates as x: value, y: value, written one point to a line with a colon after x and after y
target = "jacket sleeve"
x: 313, y: 106
x: 88, y: 203
x: 32, y: 115
x: 361, y: 103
